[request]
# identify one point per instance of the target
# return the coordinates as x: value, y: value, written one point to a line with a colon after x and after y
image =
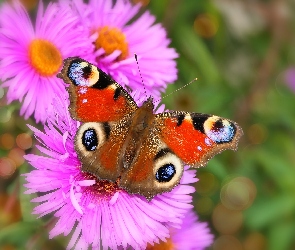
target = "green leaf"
x: 217, y: 167
x: 193, y: 48
x: 18, y: 233
x: 265, y: 211
x: 281, y: 235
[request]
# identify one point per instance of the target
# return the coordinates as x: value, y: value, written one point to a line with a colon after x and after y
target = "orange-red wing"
x: 94, y: 95
x: 196, y: 138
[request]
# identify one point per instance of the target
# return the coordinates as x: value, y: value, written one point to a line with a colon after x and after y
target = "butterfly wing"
x: 94, y: 95
x: 105, y: 107
x: 99, y: 146
x: 196, y: 137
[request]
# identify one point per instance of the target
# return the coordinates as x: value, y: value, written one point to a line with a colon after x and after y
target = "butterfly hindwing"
x: 99, y: 145
x: 94, y: 95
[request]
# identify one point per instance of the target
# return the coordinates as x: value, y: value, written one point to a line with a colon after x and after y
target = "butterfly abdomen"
x: 140, y: 124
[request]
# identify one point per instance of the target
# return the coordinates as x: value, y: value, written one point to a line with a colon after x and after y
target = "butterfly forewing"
x: 94, y: 95
x: 196, y: 137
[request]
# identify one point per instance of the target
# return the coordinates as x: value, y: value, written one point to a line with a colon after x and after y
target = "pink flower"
x: 32, y: 54
x: 96, y: 211
x: 192, y: 235
x: 117, y: 40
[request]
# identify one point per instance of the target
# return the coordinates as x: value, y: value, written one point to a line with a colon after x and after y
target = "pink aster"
x: 32, y: 54
x: 193, y: 235
x: 96, y: 212
x: 117, y: 40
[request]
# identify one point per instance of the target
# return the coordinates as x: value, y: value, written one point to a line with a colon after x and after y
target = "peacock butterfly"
x: 143, y: 152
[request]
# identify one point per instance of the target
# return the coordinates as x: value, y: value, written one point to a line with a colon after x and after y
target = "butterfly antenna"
x: 180, y: 88
x: 159, y: 100
x: 135, y: 55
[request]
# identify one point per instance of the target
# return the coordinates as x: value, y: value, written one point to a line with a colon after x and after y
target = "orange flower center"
x: 111, y: 39
x: 168, y: 245
x: 45, y: 57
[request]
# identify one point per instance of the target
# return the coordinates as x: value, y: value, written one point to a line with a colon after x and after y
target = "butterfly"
x: 145, y: 153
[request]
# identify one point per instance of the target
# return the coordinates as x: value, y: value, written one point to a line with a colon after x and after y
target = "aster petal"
x: 75, y: 237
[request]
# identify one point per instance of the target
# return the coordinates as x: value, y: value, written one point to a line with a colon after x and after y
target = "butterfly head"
x: 148, y: 104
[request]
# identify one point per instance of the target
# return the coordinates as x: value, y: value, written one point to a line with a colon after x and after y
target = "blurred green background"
x: 241, y: 52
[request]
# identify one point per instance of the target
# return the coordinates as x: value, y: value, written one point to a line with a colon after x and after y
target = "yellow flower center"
x: 168, y: 245
x: 45, y: 57
x: 111, y: 39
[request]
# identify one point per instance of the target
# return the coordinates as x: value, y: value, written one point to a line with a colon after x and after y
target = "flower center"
x: 45, y: 57
x: 168, y: 245
x: 111, y: 39
x: 102, y: 189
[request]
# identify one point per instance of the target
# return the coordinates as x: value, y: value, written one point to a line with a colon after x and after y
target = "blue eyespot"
x: 222, y: 132
x: 79, y: 74
x: 165, y: 173
x: 89, y: 139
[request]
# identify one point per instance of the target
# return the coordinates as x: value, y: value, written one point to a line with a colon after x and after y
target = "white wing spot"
x: 207, y: 141
x: 83, y: 90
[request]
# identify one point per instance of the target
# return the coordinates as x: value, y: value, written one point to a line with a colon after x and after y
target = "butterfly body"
x: 142, y: 151
x: 140, y: 123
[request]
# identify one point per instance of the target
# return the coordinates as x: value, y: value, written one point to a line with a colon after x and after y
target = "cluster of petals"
x: 193, y: 234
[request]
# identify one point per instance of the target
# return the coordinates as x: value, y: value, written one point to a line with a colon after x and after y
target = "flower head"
x: 97, y: 211
x: 116, y: 41
x: 193, y: 235
x: 31, y: 55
